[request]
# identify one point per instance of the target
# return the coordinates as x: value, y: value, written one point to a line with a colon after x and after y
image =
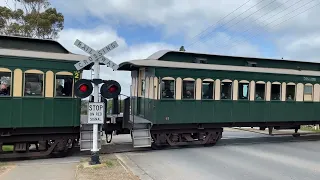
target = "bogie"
x: 186, y: 137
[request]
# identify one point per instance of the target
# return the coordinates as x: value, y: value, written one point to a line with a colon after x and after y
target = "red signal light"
x: 83, y: 88
x: 112, y: 89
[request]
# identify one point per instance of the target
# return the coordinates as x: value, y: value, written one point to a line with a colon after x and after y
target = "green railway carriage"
x: 177, y: 98
x: 37, y: 105
x: 190, y: 97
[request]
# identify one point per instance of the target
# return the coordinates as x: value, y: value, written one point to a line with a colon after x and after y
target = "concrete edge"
x: 136, y: 170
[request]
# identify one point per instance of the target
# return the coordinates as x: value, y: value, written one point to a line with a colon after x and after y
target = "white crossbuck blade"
x: 96, y: 55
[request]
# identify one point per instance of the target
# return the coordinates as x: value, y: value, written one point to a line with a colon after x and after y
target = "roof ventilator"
x: 251, y: 64
x: 200, y: 60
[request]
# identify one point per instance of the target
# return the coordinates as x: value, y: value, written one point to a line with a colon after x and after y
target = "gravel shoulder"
x: 111, y: 168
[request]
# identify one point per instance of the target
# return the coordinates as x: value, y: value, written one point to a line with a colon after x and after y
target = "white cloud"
x: 220, y: 44
x: 191, y: 17
x: 101, y: 36
x: 175, y: 16
x: 304, y: 48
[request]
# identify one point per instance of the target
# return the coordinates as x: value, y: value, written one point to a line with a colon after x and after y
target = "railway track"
x: 282, y: 138
x: 127, y: 147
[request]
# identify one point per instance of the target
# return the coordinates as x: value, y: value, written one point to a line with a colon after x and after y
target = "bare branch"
x: 8, y: 5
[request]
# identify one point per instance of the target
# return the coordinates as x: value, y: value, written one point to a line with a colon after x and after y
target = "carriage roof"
x: 15, y: 46
x: 41, y: 55
x: 161, y: 53
x: 155, y: 61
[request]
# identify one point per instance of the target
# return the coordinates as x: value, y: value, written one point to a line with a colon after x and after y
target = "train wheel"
x: 296, y: 135
x: 154, y: 146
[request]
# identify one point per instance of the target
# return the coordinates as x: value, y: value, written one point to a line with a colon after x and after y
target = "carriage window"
x: 243, y: 91
x: 167, y: 89
x: 207, y: 90
x: 33, y: 84
x: 5, y: 82
x: 226, y: 90
x: 307, y: 96
x: 275, y: 92
x: 188, y: 89
x: 260, y: 91
x: 64, y: 85
x: 290, y: 92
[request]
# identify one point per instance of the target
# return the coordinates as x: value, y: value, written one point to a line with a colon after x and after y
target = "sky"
x: 287, y: 29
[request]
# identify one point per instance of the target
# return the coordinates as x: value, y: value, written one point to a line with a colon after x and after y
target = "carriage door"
x: 141, y: 92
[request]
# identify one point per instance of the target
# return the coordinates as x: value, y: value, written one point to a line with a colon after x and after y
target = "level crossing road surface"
x: 261, y: 160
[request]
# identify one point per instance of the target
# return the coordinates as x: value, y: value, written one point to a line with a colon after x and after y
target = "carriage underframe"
x: 185, y: 137
x: 57, y: 142
x: 210, y: 134
x: 37, y: 142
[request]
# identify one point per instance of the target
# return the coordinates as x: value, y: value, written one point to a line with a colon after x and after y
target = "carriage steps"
x: 86, y: 134
x: 86, y: 137
x: 141, y: 136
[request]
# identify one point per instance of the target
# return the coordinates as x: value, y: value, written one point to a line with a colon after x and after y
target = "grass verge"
x: 110, y: 169
x: 309, y: 128
x: 7, y: 148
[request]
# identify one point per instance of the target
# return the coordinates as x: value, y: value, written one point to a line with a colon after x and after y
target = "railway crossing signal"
x: 110, y: 88
x: 83, y: 89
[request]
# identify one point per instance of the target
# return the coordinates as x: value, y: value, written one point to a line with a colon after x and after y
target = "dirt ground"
x: 109, y: 169
x: 4, y: 167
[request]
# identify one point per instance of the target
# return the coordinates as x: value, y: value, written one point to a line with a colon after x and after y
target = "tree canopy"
x: 30, y: 18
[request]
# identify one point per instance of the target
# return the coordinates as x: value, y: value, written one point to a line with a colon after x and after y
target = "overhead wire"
x: 225, y: 23
x: 242, y: 32
x: 219, y: 20
x: 281, y: 21
x: 244, y: 18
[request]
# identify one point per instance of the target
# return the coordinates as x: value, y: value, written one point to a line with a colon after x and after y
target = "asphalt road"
x: 254, y: 158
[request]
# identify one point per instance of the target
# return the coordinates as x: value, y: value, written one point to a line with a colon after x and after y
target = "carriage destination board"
x: 96, y: 112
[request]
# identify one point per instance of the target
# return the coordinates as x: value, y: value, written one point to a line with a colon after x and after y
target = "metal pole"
x: 95, y: 153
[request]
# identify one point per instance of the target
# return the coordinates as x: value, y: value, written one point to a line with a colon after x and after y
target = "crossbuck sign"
x: 96, y: 55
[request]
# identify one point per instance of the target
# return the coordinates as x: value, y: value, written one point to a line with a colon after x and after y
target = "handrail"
x: 131, y: 107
